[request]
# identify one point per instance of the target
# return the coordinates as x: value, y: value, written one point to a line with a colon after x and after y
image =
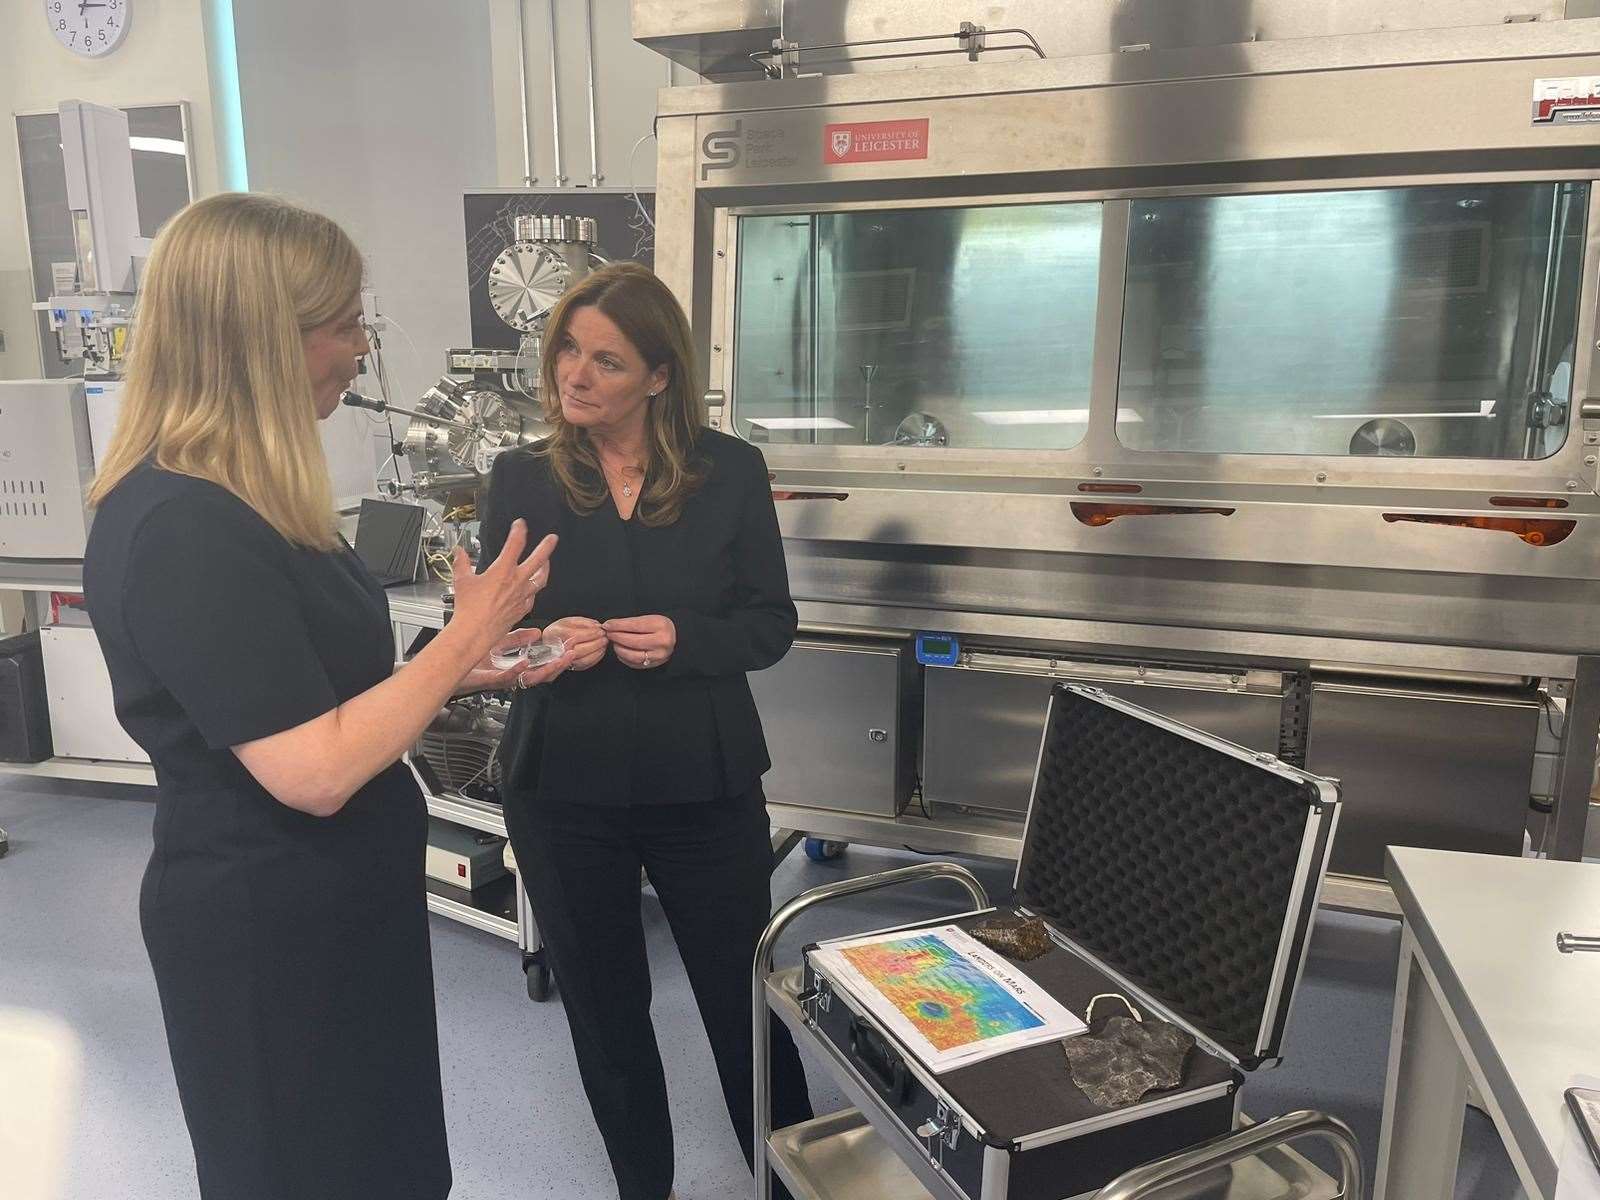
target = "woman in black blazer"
x: 668, y: 584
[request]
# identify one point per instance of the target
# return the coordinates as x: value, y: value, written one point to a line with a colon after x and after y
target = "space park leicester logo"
x: 723, y: 150
x: 753, y: 147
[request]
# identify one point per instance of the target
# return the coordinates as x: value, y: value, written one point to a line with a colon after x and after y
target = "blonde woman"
x: 250, y: 655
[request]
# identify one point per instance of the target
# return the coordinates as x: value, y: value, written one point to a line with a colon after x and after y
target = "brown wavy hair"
x: 652, y: 320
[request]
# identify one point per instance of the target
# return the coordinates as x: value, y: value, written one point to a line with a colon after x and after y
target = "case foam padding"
x: 1168, y: 859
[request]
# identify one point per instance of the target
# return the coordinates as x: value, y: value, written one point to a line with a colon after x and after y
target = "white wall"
x: 162, y: 60
x: 382, y: 114
x: 379, y: 115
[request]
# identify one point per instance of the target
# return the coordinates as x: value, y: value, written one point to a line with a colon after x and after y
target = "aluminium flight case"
x: 1171, y: 867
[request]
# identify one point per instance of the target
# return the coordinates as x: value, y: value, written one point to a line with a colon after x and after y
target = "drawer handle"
x: 798, y: 494
x: 792, y: 495
x: 1536, y: 531
x: 1098, y: 515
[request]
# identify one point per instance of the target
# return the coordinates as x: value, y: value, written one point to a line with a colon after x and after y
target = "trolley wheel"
x: 537, y: 971
x: 821, y: 850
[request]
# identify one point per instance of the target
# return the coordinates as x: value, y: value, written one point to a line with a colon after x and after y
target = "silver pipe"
x: 761, y: 1015
x: 1575, y: 943
x: 1538, y: 360
x: 595, y: 177
x: 522, y: 96
x: 1187, y: 1164
x: 415, y: 414
x: 555, y: 95
x: 782, y: 48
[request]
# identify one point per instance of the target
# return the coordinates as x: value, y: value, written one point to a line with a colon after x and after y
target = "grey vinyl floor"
x: 519, y: 1125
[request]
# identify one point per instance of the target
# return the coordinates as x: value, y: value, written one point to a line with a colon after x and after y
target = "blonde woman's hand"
x: 585, y: 640
x: 490, y: 602
x: 643, y: 643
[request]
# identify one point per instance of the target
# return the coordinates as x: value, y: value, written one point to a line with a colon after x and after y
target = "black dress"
x: 290, y: 951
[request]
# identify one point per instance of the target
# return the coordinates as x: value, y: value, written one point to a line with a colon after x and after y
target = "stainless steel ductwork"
x: 716, y: 38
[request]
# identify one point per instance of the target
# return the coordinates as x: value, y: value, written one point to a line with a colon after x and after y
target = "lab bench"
x: 499, y: 908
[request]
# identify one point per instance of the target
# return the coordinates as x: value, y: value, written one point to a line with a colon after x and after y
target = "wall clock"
x: 91, y: 28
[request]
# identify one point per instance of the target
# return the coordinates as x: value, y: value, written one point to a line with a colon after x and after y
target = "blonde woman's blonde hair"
x: 650, y: 317
x: 217, y: 384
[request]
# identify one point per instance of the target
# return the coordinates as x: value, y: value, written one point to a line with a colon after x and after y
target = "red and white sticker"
x: 875, y: 141
x: 1574, y: 100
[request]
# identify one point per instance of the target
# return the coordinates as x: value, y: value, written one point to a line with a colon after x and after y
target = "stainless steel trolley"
x: 847, y: 1156
x: 1166, y: 865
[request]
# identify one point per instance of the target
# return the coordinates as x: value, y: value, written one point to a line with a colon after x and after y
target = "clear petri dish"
x: 534, y: 654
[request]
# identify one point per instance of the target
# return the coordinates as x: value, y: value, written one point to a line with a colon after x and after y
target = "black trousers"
x: 709, y: 863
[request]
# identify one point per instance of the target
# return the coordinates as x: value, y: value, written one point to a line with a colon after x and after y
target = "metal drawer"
x: 1450, y: 770
x: 983, y: 719
x: 841, y: 719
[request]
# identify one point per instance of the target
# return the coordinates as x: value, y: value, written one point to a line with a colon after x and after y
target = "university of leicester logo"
x: 841, y: 142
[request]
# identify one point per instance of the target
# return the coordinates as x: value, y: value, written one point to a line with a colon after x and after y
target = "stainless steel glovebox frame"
x: 1305, y: 574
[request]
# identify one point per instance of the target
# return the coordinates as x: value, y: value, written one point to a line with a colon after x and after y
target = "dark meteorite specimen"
x: 1021, y: 938
x: 1126, y: 1059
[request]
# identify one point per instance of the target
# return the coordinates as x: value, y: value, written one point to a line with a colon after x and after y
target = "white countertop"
x: 418, y: 604
x: 1530, y: 1015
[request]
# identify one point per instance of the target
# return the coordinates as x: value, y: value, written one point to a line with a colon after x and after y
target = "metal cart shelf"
x: 487, y: 818
x: 474, y: 814
x: 848, y: 1155
x: 478, y: 918
x: 94, y: 770
x: 842, y: 1157
x: 421, y: 606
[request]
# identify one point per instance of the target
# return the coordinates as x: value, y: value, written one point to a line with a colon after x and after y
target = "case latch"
x: 817, y: 999
x: 939, y: 1131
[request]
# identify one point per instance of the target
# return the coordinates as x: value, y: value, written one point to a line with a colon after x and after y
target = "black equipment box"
x: 1171, y: 867
x: 24, y: 704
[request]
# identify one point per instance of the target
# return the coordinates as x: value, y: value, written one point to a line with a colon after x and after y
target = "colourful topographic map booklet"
x: 949, y: 999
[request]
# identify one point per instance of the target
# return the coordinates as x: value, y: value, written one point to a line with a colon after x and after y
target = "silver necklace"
x: 627, y: 488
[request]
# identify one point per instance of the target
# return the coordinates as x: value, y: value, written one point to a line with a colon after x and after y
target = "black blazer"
x: 685, y: 731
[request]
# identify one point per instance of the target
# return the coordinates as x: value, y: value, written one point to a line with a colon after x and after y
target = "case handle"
x: 884, y: 1069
